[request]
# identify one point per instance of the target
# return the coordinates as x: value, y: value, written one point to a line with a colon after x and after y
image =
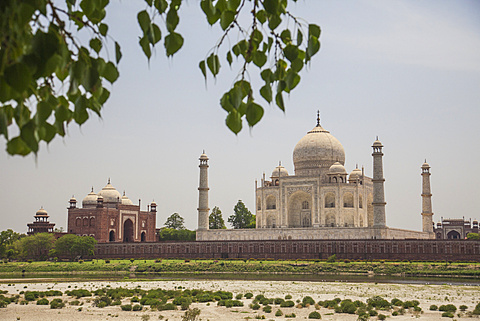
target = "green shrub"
x: 168, y: 306
x: 372, y: 313
x: 394, y: 313
x: 463, y: 308
x: 137, y: 307
x: 476, y: 311
x: 382, y: 317
x: 43, y: 301
x: 126, y: 307
x: 448, y: 308
x: 267, y: 309
x: 57, y: 304
x: 278, y: 301
x: 239, y: 296
x: 287, y: 304
x: 308, y: 300
x: 314, y: 315
x: 135, y: 299
x: 288, y: 297
x: 74, y: 302
x: 447, y: 315
x: 279, y: 313
x: 255, y: 306
x: 102, y: 301
x: 291, y: 315
x: 249, y: 295
x: 396, y: 302
x: 332, y: 259
x: 433, y: 307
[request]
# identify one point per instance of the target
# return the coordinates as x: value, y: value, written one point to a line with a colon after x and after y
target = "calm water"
x: 30, y: 277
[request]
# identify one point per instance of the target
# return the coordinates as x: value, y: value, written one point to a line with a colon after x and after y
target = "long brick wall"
x: 436, y: 250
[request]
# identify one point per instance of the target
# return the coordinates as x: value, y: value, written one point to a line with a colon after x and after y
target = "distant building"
x: 455, y: 228
x: 41, y: 223
x: 111, y: 217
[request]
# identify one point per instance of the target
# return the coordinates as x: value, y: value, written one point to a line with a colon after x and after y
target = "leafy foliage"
x: 175, y: 221
x: 7, y: 237
x: 215, y: 219
x: 35, y: 246
x: 473, y: 236
x: 242, y: 217
x: 48, y: 79
x: 73, y: 245
x: 169, y: 234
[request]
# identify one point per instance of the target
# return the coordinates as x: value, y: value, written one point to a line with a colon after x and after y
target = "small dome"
x: 203, y: 156
x: 425, y: 165
x: 153, y: 203
x: 475, y: 222
x: 41, y: 212
x: 439, y: 224
x: 337, y: 168
x: 377, y: 143
x: 110, y: 194
x: 73, y: 199
x: 356, y: 173
x: 90, y: 199
x: 126, y: 200
x: 279, y: 171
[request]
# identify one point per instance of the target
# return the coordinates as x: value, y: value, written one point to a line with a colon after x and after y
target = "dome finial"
x: 318, y: 118
x: 109, y: 180
x: 377, y: 137
x: 279, y: 163
x: 123, y: 192
x: 92, y: 189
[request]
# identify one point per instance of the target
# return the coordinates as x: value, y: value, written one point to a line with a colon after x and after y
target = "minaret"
x: 203, y: 193
x: 378, y: 188
x: 427, y: 220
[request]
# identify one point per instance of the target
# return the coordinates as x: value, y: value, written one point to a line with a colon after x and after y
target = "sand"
x: 426, y: 294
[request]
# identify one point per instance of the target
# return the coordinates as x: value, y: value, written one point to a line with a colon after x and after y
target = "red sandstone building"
x: 41, y: 223
x: 110, y: 217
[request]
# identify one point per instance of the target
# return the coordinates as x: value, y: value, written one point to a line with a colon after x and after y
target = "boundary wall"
x: 422, y: 250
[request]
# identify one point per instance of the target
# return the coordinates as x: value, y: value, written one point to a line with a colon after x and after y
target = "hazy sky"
x: 407, y: 71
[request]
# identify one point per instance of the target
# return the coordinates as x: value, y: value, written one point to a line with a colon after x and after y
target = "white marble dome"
x: 337, y: 168
x: 110, y: 194
x: 41, y: 212
x: 279, y: 171
x: 356, y: 173
x: 126, y: 200
x: 317, y: 149
x: 90, y: 199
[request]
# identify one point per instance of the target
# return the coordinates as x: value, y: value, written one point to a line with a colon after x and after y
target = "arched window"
x: 142, y: 237
x: 305, y: 205
x: 330, y: 200
x: 271, y: 202
x: 78, y: 221
x: 348, y: 200
x: 85, y: 221
x: 330, y: 220
x: 111, y: 237
x: 360, y: 201
x: 276, y: 182
x: 92, y: 221
x: 453, y: 235
x: 259, y: 204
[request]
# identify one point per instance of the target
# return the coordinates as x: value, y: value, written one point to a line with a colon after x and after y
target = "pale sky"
x: 407, y: 71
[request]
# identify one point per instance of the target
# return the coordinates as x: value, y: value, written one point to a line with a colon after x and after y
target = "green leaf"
x: 271, y: 6
x: 312, y: 47
x: 259, y: 58
x: 173, y: 43
x: 103, y: 29
x: 144, y: 20
x: 234, y: 121
x: 213, y: 64
x: 201, y: 65
x: 254, y: 113
x: 225, y: 102
x: 267, y: 75
x: 145, y: 44
x: 118, y: 52
x: 297, y: 65
x: 226, y: 19
x: 286, y: 36
x: 314, y: 30
x: 172, y: 20
x: 80, y: 114
x: 261, y: 16
x: 46, y: 132
x: 157, y: 34
x: 266, y: 92
x: 161, y: 5
x: 229, y: 58
x: 210, y: 11
x: 18, y: 76
x: 291, y: 52
x: 292, y: 79
x: 279, y: 101
x: 103, y: 96
x: 17, y: 146
x: 110, y: 72
x: 27, y: 133
x: 44, y: 110
x: 96, y: 44
x: 274, y: 21
x: 299, y: 37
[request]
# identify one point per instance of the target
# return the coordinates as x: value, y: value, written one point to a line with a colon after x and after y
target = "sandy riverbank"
x: 426, y: 294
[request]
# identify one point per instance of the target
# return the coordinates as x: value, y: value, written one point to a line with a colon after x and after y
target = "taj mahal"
x: 321, y: 200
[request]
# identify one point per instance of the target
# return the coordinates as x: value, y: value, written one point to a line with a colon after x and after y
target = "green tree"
x: 242, y: 217
x: 7, y: 238
x: 473, y: 236
x: 49, y: 79
x: 73, y: 245
x: 175, y: 221
x: 169, y: 234
x: 215, y: 219
x: 35, y: 246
